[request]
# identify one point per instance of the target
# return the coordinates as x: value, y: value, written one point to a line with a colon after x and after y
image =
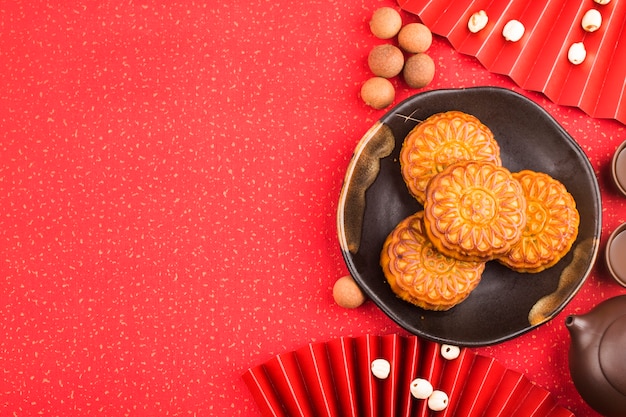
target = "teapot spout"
x: 582, y: 331
x: 575, y: 324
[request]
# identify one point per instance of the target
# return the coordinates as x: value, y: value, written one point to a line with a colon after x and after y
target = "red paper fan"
x: 538, y: 62
x: 334, y: 379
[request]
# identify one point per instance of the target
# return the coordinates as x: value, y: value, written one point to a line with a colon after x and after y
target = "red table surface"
x: 169, y: 176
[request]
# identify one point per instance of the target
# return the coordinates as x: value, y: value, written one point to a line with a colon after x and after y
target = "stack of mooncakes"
x: 475, y: 211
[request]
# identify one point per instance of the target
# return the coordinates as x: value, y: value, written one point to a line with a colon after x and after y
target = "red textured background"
x: 169, y: 176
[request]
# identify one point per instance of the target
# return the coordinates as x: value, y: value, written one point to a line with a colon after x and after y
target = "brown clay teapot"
x: 597, y: 356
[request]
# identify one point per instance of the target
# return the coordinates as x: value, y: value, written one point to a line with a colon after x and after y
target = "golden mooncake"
x: 552, y: 222
x: 474, y: 210
x: 441, y: 140
x: 420, y: 274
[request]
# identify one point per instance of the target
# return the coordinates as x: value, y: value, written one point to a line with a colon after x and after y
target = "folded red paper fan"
x: 539, y: 60
x: 338, y: 379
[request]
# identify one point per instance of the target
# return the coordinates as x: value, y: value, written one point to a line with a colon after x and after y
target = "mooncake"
x: 552, y: 222
x: 418, y: 273
x: 441, y: 140
x: 474, y: 211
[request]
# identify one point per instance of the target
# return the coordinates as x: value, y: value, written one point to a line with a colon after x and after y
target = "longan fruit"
x: 386, y: 23
x: 378, y: 92
x: 347, y: 293
x: 419, y: 70
x: 385, y: 60
x: 415, y: 38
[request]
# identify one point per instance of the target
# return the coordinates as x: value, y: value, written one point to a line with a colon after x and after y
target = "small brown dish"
x: 618, y: 168
x: 614, y: 254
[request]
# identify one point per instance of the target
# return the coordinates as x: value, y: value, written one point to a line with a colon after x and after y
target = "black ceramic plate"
x: 374, y: 199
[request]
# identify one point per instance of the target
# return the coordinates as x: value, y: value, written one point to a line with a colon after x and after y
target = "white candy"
x: 592, y: 20
x: 380, y: 368
x: 577, y: 53
x: 513, y: 30
x: 421, y: 388
x: 477, y: 21
x: 450, y: 352
x: 438, y: 401
x: 602, y: 1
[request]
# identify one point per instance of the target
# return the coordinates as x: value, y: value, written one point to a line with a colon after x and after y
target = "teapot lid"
x: 612, y: 354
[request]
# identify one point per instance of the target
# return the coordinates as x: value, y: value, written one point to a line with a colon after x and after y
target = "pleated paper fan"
x: 334, y: 379
x: 538, y: 61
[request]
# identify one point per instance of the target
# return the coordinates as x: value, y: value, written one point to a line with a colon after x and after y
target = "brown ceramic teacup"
x: 615, y: 254
x: 618, y: 168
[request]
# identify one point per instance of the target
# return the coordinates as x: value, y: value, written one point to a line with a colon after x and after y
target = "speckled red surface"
x: 169, y: 176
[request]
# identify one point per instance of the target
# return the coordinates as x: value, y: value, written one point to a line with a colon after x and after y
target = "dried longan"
x: 386, y: 60
x: 415, y: 38
x: 347, y: 293
x: 386, y: 23
x: 419, y: 70
x: 378, y: 92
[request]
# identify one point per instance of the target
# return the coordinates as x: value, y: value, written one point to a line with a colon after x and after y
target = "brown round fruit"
x: 378, y: 92
x: 419, y: 70
x: 415, y: 38
x: 385, y: 60
x: 386, y: 23
x: 347, y: 293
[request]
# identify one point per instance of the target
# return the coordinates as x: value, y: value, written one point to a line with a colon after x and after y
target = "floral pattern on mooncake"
x: 474, y: 211
x: 552, y: 222
x: 418, y: 273
x: 441, y: 140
